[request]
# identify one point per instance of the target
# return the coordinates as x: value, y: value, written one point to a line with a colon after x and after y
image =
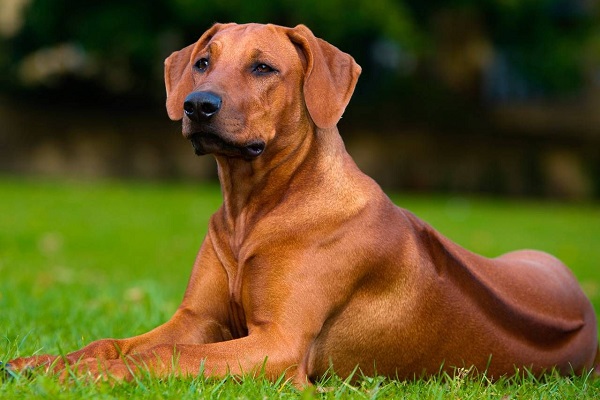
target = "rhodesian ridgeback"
x: 308, y: 267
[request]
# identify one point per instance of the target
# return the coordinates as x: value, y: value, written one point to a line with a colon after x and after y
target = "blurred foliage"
x: 548, y: 38
x: 116, y: 46
x: 545, y: 39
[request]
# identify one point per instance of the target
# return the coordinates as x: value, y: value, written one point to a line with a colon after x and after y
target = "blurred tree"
x: 545, y: 40
x: 115, y: 46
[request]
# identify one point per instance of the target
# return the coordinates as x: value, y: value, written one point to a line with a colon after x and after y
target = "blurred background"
x: 497, y: 97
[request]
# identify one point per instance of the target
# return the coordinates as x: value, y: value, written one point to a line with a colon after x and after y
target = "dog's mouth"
x: 209, y: 143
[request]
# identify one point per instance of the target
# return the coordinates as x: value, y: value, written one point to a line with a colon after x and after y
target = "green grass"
x: 83, y: 261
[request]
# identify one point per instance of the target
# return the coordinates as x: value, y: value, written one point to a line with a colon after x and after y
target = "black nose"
x: 200, y: 106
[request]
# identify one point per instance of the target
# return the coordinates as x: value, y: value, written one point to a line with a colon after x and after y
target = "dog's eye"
x: 201, y: 65
x: 262, y: 69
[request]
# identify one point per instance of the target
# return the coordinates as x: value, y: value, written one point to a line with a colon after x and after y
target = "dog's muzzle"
x: 200, y: 107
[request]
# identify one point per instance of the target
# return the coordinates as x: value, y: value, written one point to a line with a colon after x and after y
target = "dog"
x: 308, y: 267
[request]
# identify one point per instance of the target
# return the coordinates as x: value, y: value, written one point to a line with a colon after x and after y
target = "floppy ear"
x: 178, y: 72
x: 330, y: 77
x: 178, y: 80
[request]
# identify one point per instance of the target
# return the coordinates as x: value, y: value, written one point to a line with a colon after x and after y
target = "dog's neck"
x: 252, y: 188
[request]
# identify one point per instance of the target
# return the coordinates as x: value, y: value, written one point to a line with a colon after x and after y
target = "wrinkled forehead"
x: 251, y: 41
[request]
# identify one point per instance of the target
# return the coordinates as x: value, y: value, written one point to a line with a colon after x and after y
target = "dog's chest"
x: 235, y: 273
x: 237, y: 248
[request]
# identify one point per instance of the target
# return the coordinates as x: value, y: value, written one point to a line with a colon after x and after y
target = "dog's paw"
x: 25, y: 365
x: 8, y: 371
x: 5, y: 371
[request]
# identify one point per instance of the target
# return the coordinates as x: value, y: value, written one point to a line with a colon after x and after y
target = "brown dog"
x: 308, y: 265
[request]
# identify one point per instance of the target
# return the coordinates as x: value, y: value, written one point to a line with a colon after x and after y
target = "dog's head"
x: 241, y: 88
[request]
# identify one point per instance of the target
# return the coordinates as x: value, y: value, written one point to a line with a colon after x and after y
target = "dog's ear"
x: 178, y: 72
x: 178, y: 80
x: 330, y: 77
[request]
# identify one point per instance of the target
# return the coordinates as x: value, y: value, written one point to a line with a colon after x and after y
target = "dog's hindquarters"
x: 432, y: 303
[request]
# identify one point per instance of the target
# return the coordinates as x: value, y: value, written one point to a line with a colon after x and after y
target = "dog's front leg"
x: 265, y: 352
x: 202, y: 321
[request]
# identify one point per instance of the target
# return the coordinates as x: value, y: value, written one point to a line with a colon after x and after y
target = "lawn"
x: 81, y: 261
